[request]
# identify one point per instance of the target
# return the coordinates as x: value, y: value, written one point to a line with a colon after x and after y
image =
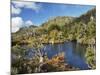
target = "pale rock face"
x: 41, y: 59
x: 91, y: 18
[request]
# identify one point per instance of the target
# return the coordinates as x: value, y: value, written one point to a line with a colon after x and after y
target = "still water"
x: 74, y: 53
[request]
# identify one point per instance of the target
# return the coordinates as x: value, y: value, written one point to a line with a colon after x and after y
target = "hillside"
x: 85, y: 18
x: 62, y: 28
x: 33, y: 41
x: 60, y: 20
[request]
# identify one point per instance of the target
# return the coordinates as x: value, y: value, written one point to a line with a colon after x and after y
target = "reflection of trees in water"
x: 40, y: 54
x: 79, y: 49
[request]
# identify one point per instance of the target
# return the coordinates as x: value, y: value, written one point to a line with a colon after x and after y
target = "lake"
x: 74, y: 53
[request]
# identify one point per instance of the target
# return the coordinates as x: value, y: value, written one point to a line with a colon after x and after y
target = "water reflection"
x: 74, y: 53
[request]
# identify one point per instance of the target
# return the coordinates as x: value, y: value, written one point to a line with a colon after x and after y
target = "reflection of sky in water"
x: 74, y: 53
x: 74, y: 59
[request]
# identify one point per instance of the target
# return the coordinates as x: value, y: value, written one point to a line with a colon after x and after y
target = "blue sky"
x: 37, y: 13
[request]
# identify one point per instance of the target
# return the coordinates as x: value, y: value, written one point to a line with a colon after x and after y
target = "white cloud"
x: 17, y: 22
x: 29, y: 5
x: 28, y: 23
x: 15, y: 10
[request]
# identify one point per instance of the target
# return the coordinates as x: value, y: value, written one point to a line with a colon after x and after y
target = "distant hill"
x: 25, y: 29
x: 85, y: 18
x: 60, y: 20
x: 72, y: 28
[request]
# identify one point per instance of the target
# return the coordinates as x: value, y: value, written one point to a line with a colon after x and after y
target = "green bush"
x: 90, y: 57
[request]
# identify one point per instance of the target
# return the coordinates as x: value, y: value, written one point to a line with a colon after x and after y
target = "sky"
x: 35, y: 13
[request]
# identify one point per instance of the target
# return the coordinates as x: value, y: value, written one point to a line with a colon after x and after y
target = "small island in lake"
x: 49, y: 37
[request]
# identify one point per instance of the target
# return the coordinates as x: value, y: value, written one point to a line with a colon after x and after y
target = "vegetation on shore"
x: 55, y: 64
x: 91, y: 57
x: 58, y: 30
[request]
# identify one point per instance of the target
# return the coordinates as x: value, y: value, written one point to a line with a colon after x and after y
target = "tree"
x: 53, y: 27
x: 90, y: 57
